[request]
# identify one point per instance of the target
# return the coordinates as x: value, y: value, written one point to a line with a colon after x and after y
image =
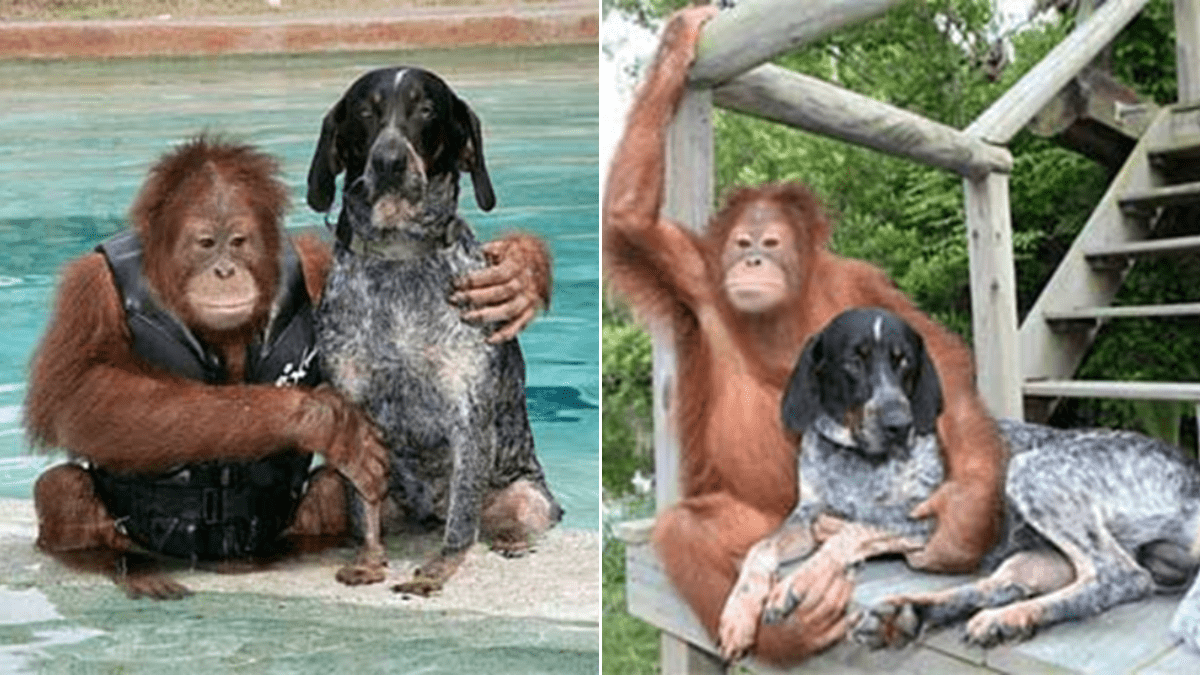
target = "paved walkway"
x: 499, y: 24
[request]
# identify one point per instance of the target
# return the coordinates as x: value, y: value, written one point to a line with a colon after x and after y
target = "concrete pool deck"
x: 559, y: 582
x: 491, y: 24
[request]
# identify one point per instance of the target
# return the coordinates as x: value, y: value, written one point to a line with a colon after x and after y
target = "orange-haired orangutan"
x: 742, y: 299
x: 178, y: 372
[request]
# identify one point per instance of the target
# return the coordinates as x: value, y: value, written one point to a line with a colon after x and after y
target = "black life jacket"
x: 212, y: 510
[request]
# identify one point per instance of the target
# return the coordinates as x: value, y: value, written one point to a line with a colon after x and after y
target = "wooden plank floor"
x: 1129, y: 639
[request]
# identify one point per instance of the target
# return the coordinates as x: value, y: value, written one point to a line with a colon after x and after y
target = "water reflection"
x: 101, y: 631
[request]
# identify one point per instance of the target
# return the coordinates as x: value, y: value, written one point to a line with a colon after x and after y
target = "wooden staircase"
x: 1160, y: 177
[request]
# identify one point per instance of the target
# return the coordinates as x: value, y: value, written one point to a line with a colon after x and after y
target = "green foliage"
x: 1143, y: 55
x: 630, y: 646
x: 626, y: 416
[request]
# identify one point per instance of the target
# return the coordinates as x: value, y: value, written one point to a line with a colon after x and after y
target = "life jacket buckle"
x: 212, y: 505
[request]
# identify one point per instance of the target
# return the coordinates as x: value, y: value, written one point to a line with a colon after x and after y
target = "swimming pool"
x: 76, y: 139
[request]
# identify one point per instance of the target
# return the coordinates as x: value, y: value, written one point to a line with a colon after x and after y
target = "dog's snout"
x: 897, y: 422
x: 388, y: 156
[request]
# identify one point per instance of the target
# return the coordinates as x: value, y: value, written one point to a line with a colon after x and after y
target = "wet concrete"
x: 539, y: 613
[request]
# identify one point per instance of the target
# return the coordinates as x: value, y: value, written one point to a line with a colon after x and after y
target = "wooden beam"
x: 751, y: 33
x: 1000, y: 122
x: 1187, y: 49
x: 688, y: 200
x: 993, y: 294
x: 1088, y: 116
x: 1143, y: 391
x: 781, y: 95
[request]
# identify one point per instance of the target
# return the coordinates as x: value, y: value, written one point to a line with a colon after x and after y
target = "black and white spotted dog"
x: 450, y: 406
x: 1093, y: 518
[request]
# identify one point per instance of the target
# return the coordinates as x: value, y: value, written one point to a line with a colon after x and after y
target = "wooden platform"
x: 1131, y: 638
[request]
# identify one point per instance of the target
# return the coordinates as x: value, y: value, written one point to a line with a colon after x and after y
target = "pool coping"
x: 558, y: 583
x: 511, y: 24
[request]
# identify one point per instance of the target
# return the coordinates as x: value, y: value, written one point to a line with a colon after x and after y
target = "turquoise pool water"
x: 76, y: 139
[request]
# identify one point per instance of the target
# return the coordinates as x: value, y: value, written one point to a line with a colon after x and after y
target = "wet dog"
x: 1093, y: 518
x: 449, y: 405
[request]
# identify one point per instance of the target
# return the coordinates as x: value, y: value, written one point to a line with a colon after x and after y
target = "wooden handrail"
x: 752, y: 33
x: 1012, y: 111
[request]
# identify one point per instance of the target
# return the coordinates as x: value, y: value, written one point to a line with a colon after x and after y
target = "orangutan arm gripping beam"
x: 642, y: 249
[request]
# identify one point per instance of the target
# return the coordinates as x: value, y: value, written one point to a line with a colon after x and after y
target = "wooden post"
x: 1187, y: 49
x: 993, y: 294
x: 1197, y: 404
x: 689, y: 196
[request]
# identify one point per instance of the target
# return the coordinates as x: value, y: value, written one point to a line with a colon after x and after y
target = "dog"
x: 449, y: 405
x: 1093, y: 518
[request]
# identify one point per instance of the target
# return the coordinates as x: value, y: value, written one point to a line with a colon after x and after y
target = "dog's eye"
x: 426, y: 111
x: 899, y: 360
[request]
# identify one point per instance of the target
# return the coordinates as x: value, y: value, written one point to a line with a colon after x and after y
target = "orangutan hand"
x: 677, y: 47
x: 510, y: 290
x: 960, y: 538
x: 334, y: 427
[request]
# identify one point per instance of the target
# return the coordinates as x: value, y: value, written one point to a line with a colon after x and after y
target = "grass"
x: 628, y: 645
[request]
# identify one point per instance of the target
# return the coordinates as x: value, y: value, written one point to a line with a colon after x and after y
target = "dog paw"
x: 360, y: 575
x: 991, y: 627
x: 738, y: 625
x: 432, y: 576
x: 892, y: 624
x: 780, y: 603
x: 812, y: 580
x: 418, y: 586
x: 512, y: 549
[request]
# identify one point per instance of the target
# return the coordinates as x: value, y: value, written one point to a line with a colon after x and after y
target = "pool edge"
x: 561, y: 23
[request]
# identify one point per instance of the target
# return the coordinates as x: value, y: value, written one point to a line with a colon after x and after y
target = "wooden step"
x: 1155, y: 391
x: 1146, y: 201
x: 1104, y: 254
x: 1127, y: 312
x: 1178, y: 162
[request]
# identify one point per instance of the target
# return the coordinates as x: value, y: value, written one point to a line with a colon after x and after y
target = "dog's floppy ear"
x: 802, y: 400
x: 926, y: 398
x: 471, y: 156
x: 326, y: 162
